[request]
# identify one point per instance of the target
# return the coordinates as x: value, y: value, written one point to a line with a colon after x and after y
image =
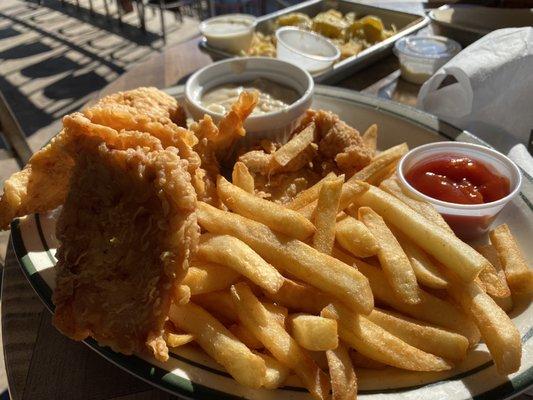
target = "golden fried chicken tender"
x: 127, y: 229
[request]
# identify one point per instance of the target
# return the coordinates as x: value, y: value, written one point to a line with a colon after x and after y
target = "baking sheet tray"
x: 406, y: 24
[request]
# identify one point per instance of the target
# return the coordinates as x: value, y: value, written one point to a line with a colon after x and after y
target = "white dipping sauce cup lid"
x: 427, y: 47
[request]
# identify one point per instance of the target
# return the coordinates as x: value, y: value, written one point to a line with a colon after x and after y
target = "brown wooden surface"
x: 41, y: 363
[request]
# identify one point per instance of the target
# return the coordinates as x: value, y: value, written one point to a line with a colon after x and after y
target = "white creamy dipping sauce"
x: 272, y: 96
x: 227, y: 27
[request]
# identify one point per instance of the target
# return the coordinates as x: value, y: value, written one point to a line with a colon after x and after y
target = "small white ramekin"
x: 467, y: 220
x: 309, y: 50
x: 234, y: 42
x: 275, y: 126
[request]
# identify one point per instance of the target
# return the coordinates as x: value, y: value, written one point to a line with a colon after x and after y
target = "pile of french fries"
x: 286, y: 294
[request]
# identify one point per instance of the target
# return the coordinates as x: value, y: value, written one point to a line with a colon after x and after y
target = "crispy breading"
x: 41, y: 186
x: 148, y: 101
x: 150, y: 110
x: 127, y: 230
x: 215, y: 141
x: 338, y: 141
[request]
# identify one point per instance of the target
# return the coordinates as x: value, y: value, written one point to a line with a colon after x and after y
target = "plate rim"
x: 177, y: 385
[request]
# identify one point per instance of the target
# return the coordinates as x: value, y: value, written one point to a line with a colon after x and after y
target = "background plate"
x: 192, y: 375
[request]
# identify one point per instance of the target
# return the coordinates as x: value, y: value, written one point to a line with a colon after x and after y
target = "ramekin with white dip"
x: 230, y: 32
x: 285, y: 89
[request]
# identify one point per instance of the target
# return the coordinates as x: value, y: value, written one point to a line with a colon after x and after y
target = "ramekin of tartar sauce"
x: 285, y: 93
x: 421, y: 56
x: 230, y: 32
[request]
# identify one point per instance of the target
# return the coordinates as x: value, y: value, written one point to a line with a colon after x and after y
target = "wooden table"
x: 42, y: 363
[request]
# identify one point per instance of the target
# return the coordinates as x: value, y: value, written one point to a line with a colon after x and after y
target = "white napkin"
x: 493, y: 93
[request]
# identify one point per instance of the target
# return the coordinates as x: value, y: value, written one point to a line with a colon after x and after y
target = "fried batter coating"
x: 230, y: 128
x: 147, y: 101
x: 150, y: 110
x: 41, y: 186
x: 338, y: 141
x: 127, y: 230
x: 216, y: 141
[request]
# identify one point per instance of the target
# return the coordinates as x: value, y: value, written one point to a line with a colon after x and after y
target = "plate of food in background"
x: 295, y: 266
x: 362, y: 33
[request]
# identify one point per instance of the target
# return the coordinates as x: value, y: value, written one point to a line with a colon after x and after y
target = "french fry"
x: 395, y: 264
x: 427, y: 273
x: 378, y: 344
x: 342, y: 373
x: 219, y: 304
x: 355, y: 237
x: 277, y: 341
x: 310, y: 194
x: 244, y: 366
x: 302, y: 261
x: 440, y: 243
x: 361, y: 361
x: 293, y: 147
x: 326, y: 215
x: 497, y: 330
x: 431, y: 309
x: 233, y: 253
x: 314, y: 333
x: 492, y: 278
x: 380, y: 162
x: 242, y: 178
x: 300, y: 297
x: 394, y: 378
x: 392, y: 186
x: 425, y: 337
x: 348, y: 191
x: 182, y: 294
x: 370, y: 137
x: 371, y: 172
x: 174, y: 340
x: 245, y: 336
x: 205, y: 276
x: 276, y: 372
x: 519, y: 276
x: 273, y: 215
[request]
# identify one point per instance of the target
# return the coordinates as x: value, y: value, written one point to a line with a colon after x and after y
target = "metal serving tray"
x: 406, y: 24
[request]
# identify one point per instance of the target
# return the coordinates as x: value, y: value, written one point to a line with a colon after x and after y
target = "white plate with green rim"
x: 191, y: 374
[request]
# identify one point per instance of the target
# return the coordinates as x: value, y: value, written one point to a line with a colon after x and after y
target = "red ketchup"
x: 459, y: 179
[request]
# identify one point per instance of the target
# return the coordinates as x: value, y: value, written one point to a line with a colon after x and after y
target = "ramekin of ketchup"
x: 468, y: 184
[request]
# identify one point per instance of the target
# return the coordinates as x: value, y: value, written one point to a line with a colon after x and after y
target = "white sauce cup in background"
x: 230, y: 32
x: 309, y: 50
x: 276, y: 125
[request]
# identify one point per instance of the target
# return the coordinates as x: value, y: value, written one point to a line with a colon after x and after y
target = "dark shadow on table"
x: 8, y: 32
x: 74, y: 86
x: 24, y: 50
x: 30, y: 117
x: 101, y: 21
x: 50, y: 66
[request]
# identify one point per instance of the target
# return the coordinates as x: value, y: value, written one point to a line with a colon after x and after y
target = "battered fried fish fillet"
x: 150, y: 110
x: 127, y: 229
x: 42, y: 185
x: 148, y: 101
